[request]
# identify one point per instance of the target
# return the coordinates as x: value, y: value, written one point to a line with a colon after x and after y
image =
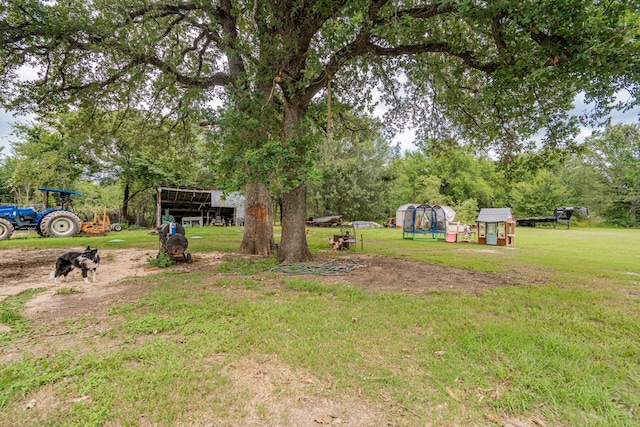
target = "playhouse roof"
x: 494, y: 215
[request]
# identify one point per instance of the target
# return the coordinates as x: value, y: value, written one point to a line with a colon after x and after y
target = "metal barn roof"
x: 184, y: 197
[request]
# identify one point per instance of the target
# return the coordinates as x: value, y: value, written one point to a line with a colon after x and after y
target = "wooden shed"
x: 496, y: 226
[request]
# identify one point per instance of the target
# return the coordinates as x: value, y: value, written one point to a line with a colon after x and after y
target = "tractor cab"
x: 64, y: 201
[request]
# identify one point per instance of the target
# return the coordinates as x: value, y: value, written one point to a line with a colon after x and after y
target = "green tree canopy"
x: 615, y: 154
x: 538, y: 195
x: 351, y: 170
x: 6, y: 170
x: 45, y: 156
x: 136, y: 151
x: 58, y: 149
x: 451, y: 176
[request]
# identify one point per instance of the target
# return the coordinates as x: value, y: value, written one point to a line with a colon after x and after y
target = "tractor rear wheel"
x: 60, y: 224
x: 6, y: 229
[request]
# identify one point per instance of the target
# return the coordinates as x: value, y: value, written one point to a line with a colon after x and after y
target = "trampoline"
x: 425, y: 222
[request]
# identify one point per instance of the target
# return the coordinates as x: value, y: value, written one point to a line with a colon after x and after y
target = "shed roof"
x: 494, y: 215
x: 191, y: 198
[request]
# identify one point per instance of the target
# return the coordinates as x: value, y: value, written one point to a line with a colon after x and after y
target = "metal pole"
x: 159, y: 208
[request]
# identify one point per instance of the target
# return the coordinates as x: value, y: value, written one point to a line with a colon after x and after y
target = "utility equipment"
x: 48, y: 222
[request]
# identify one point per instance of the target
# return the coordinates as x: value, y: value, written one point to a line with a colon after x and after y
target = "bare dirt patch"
x: 273, y: 391
x: 22, y: 270
x: 26, y: 269
x: 383, y: 274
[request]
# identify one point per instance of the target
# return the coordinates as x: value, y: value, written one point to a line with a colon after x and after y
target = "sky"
x: 405, y: 139
x: 6, y: 119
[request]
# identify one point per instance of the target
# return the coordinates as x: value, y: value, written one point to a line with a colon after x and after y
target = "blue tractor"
x: 48, y: 222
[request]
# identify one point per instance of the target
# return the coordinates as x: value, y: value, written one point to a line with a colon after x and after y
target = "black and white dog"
x: 88, y: 261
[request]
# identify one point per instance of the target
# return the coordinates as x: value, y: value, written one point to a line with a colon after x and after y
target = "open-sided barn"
x: 190, y: 206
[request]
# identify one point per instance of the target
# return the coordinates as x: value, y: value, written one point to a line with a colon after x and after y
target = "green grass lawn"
x: 561, y: 348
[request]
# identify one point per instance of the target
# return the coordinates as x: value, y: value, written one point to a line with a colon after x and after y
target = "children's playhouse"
x: 496, y: 226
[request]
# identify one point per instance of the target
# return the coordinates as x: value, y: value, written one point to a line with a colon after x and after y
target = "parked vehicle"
x: 364, y: 224
x: 48, y: 222
x: 327, y: 220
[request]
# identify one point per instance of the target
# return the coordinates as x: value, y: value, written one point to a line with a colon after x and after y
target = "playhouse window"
x: 501, y: 230
x: 482, y: 229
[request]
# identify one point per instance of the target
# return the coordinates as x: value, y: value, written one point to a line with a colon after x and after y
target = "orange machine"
x: 97, y: 227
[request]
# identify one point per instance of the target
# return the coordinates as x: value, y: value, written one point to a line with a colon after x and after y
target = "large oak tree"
x: 490, y: 72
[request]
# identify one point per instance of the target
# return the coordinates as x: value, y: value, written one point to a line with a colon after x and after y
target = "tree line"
x: 356, y: 172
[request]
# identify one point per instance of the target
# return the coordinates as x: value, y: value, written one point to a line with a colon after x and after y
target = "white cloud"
x: 25, y: 73
x: 407, y: 137
x: 584, y: 133
x: 7, y: 119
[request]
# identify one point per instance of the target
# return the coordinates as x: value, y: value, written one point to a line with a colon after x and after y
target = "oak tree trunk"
x: 258, y: 228
x: 293, y: 246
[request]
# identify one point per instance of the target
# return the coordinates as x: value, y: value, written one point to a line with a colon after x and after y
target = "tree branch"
x: 496, y: 32
x: 364, y: 44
